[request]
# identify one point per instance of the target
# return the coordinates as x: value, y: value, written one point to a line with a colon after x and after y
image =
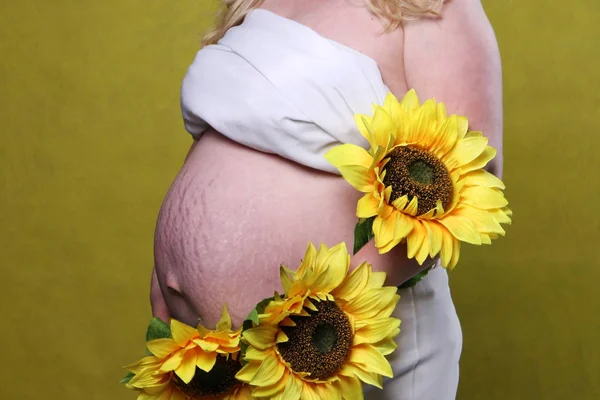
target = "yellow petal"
x: 393, y: 108
x: 376, y: 280
x: 415, y: 239
x: 445, y: 138
x: 412, y: 207
x: 308, y: 304
x: 336, y: 267
x: 350, y: 388
x: 386, y: 347
x: 225, y: 321
x: 261, y: 337
x: 162, y: 347
x: 269, y: 372
x: 404, y: 225
x: 485, y: 238
x: 410, y: 101
x: 388, y: 247
x: 434, y: 234
x: 271, y: 391
x: 383, y: 230
x: 254, y: 354
x: 206, y: 360
x: 307, y: 261
x: 465, y: 151
x: 349, y: 154
x: 447, y: 246
x: 400, y: 203
x: 372, y: 303
x: 381, y: 127
x: 481, y: 161
x: 166, y: 395
x: 502, y: 215
x: 328, y: 390
x: 367, y: 206
x: 426, y: 124
x: 483, y: 178
x: 359, y: 177
x: 461, y: 228
x: 173, y: 362
x: 287, y: 322
x: 281, y: 337
x: 187, y: 368
x: 483, y: 220
x: 146, y: 362
x: 206, y: 345
x: 370, y: 360
x: 286, y: 278
x: 455, y: 254
x: 247, y: 372
x: 483, y: 198
x: 385, y: 210
x: 390, y: 102
x: 311, y: 391
x: 375, y: 331
x: 353, y: 370
x: 423, y: 251
x: 362, y: 123
x: 354, y: 283
x: 182, y: 333
x: 293, y: 390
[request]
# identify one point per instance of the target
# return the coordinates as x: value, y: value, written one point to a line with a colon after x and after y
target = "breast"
x: 234, y: 215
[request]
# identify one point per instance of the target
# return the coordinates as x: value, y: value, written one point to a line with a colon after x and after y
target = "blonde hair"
x: 232, y: 13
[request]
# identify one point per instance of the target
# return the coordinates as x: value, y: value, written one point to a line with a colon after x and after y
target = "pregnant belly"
x: 234, y: 215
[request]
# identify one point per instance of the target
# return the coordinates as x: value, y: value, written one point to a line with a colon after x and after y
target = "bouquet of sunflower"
x: 423, y: 181
x: 322, y: 338
x: 330, y: 329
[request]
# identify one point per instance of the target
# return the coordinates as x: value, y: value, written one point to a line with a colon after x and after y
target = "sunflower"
x: 328, y: 332
x: 422, y: 180
x: 195, y: 363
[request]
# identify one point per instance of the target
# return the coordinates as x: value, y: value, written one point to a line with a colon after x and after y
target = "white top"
x: 277, y: 86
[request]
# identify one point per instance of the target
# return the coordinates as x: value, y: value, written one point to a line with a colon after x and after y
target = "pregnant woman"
x: 274, y: 88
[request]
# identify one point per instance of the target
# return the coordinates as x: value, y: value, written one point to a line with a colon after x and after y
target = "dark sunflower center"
x: 324, y: 338
x: 320, y: 343
x: 220, y: 380
x: 418, y: 173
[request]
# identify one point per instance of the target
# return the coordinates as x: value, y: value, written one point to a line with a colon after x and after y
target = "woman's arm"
x: 455, y: 59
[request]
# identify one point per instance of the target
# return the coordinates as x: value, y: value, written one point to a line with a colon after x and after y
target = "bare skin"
x: 233, y: 215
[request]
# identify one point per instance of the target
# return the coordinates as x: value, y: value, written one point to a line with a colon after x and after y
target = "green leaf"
x: 415, y: 279
x: 252, y: 318
x: 127, y: 377
x: 251, y: 321
x: 243, y: 348
x: 260, y: 307
x: 157, y: 330
x: 363, y: 233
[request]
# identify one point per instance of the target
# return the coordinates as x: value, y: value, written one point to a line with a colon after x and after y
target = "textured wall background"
x: 91, y: 137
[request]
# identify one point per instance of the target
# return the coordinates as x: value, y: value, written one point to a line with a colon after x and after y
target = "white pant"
x: 425, y: 363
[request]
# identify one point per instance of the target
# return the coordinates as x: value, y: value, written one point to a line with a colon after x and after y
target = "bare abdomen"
x: 233, y: 215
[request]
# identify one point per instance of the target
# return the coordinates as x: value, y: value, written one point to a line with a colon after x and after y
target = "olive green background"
x: 91, y: 137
